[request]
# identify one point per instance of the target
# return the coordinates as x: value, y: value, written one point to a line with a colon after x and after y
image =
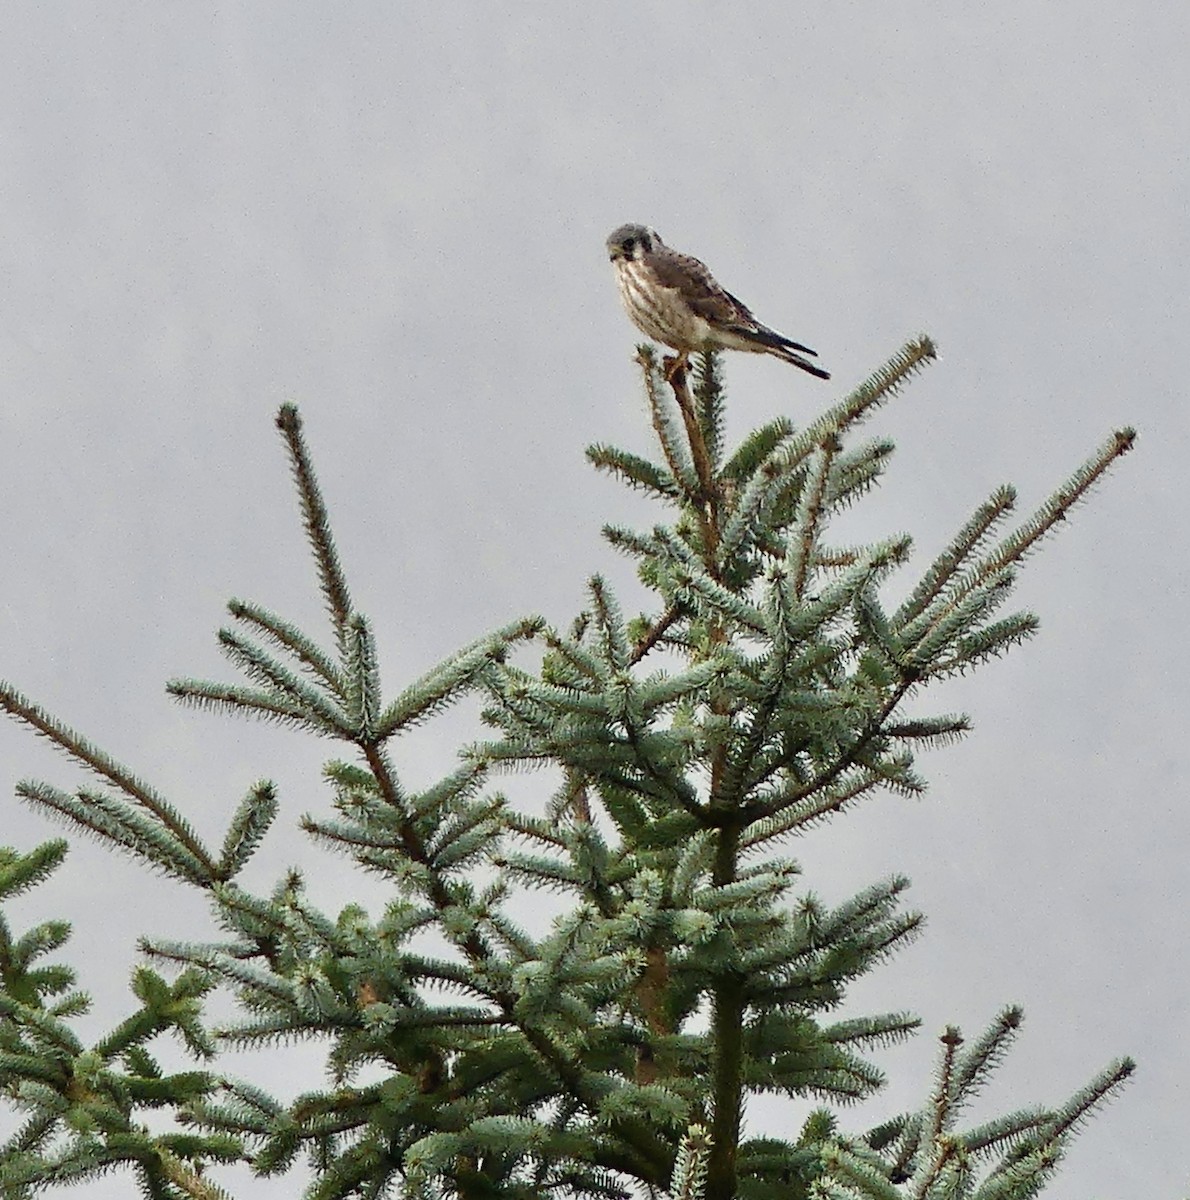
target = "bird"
x: 674, y: 299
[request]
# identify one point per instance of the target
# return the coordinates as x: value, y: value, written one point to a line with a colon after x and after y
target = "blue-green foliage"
x: 81, y: 1108
x: 687, y: 968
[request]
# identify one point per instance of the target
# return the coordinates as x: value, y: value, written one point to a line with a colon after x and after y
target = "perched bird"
x: 674, y: 299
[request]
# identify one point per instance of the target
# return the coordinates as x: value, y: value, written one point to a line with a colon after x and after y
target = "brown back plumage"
x: 713, y: 302
x: 698, y: 287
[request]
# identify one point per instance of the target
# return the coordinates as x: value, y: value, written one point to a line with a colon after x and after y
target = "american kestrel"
x: 674, y: 299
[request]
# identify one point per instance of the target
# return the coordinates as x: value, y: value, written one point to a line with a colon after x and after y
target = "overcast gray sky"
x: 395, y: 214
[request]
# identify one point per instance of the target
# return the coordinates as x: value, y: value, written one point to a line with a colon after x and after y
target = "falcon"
x: 673, y: 298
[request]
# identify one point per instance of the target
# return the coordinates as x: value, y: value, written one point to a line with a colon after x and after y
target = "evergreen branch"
x: 789, y: 455
x: 741, y: 757
x: 629, y: 541
x: 659, y: 409
x: 889, y: 1029
x: 656, y: 631
x: 200, y: 954
x: 587, y: 1183
x: 77, y: 1162
x: 856, y: 471
x: 863, y: 913
x: 263, y: 669
x: 470, y: 840
x: 548, y: 873
x: 512, y: 937
x: 809, y: 515
x: 791, y: 815
x: 693, y: 863
x: 191, y: 1183
x: 1086, y: 1101
x: 363, y: 674
x: 637, y: 472
x: 896, y: 772
x: 873, y: 632
x: 1010, y: 1131
x: 568, y: 701
x: 27, y: 1070
x: 451, y: 1016
x: 53, y: 1037
x: 289, y: 637
x: 756, y: 449
x: 345, y: 937
x: 689, y: 1178
x: 274, y: 1030
x: 78, y: 748
x: 808, y: 616
x: 955, y: 619
x: 974, y: 1065
x: 349, y: 835
x: 661, y: 691
x: 697, y: 586
x: 454, y: 789
x: 695, y: 583
x: 536, y: 829
x: 833, y: 558
x: 661, y: 770
x: 331, y: 580
x: 1014, y: 548
x: 20, y: 872
x: 746, y: 508
x: 880, y: 386
x: 28, y: 1138
x: 728, y: 1006
x: 442, y: 685
x: 610, y: 620
x: 267, y: 705
x: 703, y: 467
x: 264, y: 984
x: 251, y: 822
x: 937, y: 1149
x: 867, y: 1178
x: 53, y: 981
x: 142, y: 1025
x: 759, y: 809
x: 763, y: 884
x: 966, y: 542
x: 114, y: 821
x: 854, y: 954
x: 41, y: 940
x: 989, y: 642
x: 709, y: 396
x: 933, y: 731
x: 471, y: 942
x: 1023, y: 1177
x: 582, y: 664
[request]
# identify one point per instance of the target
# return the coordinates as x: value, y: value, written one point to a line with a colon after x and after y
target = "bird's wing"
x: 762, y: 335
x: 687, y: 275
x: 713, y: 302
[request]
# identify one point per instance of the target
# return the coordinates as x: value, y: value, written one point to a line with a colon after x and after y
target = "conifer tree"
x: 768, y: 689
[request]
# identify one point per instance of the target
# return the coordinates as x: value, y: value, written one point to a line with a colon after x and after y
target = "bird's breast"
x: 659, y: 312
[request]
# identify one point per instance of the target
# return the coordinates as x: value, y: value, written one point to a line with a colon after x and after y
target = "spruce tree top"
x: 765, y: 691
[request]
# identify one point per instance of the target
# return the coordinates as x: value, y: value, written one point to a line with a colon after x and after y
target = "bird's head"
x: 631, y: 242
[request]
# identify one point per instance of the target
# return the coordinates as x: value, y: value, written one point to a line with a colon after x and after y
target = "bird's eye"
x: 629, y: 243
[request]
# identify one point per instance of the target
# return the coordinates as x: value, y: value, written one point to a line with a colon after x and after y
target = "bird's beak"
x: 614, y: 253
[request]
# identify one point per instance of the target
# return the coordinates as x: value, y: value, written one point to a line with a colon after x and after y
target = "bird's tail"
x: 778, y: 344
x: 784, y: 352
